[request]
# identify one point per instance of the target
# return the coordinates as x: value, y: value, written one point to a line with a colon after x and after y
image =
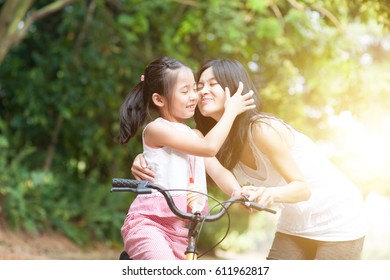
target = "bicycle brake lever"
x: 246, y: 201
x: 255, y: 205
x: 258, y: 207
x: 142, y: 188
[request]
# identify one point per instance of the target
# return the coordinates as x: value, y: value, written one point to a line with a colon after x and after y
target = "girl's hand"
x: 140, y: 169
x: 261, y: 195
x: 239, y: 103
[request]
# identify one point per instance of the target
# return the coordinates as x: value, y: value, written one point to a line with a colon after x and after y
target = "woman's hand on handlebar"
x: 237, y: 193
x: 261, y: 195
x: 140, y: 169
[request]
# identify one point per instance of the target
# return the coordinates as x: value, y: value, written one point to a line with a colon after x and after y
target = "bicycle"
x: 196, y: 219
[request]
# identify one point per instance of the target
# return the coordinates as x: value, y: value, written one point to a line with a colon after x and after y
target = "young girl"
x: 322, y: 212
x: 174, y: 152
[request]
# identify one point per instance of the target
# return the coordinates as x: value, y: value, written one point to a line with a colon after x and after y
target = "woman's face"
x: 211, y: 95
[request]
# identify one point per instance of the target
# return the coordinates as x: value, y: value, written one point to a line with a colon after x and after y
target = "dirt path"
x: 23, y: 246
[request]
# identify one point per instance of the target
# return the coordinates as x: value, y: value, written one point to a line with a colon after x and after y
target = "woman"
x: 322, y: 215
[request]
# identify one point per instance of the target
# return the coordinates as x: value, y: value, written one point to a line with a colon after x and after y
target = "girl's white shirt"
x: 172, y: 167
x: 335, y: 210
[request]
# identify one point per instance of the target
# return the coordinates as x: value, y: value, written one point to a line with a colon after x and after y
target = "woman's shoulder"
x: 272, y: 131
x: 269, y: 124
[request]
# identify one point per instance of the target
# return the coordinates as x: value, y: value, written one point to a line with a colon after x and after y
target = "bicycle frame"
x: 146, y: 187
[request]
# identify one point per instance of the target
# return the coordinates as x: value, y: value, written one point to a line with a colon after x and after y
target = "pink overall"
x: 150, y: 237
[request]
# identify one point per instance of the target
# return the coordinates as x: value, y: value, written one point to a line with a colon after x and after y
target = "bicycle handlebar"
x: 146, y: 187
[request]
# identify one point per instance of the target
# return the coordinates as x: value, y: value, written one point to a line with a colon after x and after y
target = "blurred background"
x: 67, y: 65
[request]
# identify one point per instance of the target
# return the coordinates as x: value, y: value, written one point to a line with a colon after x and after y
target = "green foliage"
x: 37, y: 200
x: 67, y: 87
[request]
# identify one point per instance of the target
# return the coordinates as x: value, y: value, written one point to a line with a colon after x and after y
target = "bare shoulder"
x: 272, y: 133
x: 155, y: 131
x: 269, y: 127
x: 198, y: 133
x: 156, y: 125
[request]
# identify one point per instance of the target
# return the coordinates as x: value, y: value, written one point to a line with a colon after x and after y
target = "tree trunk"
x: 14, y: 24
x: 11, y: 16
x: 52, y: 147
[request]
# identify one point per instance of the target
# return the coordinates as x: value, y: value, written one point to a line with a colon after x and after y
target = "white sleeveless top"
x: 335, y: 210
x: 172, y: 167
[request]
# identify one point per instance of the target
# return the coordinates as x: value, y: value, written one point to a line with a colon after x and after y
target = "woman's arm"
x: 220, y: 175
x: 163, y: 135
x: 275, y: 141
x: 224, y: 179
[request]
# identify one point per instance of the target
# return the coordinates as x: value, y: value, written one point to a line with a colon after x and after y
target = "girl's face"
x: 211, y: 95
x: 184, y: 97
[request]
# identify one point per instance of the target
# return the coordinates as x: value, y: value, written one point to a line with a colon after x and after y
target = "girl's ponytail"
x: 132, y: 114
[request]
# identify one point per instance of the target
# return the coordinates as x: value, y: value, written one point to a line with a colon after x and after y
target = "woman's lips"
x: 206, y: 100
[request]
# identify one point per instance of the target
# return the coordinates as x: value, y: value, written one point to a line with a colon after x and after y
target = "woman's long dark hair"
x: 229, y: 73
x: 159, y: 77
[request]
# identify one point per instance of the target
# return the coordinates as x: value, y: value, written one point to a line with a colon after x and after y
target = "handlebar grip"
x: 124, y: 183
x: 139, y: 187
